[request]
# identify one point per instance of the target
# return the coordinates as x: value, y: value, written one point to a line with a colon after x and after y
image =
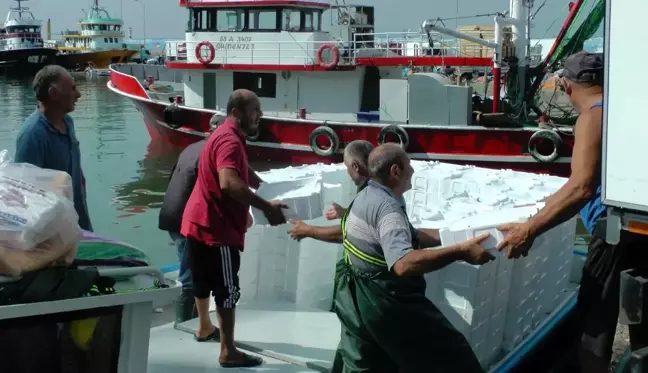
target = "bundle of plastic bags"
x: 38, y: 222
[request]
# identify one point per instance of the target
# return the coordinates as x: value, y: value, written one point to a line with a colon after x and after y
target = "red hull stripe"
x: 255, y: 3
x: 287, y: 138
x: 424, y: 61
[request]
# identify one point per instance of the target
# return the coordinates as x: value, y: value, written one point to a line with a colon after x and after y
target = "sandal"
x: 248, y: 362
x: 213, y: 336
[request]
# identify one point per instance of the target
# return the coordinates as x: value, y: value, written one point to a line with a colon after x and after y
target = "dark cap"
x: 584, y: 67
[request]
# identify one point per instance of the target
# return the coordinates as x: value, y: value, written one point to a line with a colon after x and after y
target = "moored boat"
x: 320, y: 90
x: 22, y: 49
x: 98, y: 42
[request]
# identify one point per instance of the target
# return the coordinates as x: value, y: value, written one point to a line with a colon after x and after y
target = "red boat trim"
x: 430, y: 156
x: 424, y: 61
x: 254, y: 3
x: 336, y: 123
x: 251, y: 67
x: 136, y: 85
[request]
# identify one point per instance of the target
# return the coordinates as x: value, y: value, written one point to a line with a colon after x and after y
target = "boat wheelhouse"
x: 322, y: 87
x: 98, y: 42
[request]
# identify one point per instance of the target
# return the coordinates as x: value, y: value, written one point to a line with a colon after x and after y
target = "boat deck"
x: 301, y: 337
x: 289, y: 340
x: 173, y: 351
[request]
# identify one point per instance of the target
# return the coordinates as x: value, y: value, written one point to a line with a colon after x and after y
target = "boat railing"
x: 241, y: 50
x: 416, y: 44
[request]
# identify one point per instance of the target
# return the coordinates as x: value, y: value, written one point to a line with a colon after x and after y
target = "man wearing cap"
x: 598, y: 299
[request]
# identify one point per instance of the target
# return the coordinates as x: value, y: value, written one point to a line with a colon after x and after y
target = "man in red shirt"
x: 215, y: 220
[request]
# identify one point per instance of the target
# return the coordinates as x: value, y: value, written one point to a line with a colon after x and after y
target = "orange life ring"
x: 210, y: 56
x: 335, y: 58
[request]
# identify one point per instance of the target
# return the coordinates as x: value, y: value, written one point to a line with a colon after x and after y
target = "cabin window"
x: 263, y: 84
x: 203, y: 20
x: 291, y: 20
x: 230, y: 20
x: 312, y: 20
x: 264, y: 19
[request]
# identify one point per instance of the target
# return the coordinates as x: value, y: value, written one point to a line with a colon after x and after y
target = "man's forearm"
x: 240, y: 192
x: 332, y: 234
x: 559, y: 208
x: 254, y: 178
x: 428, y: 237
x: 420, y: 262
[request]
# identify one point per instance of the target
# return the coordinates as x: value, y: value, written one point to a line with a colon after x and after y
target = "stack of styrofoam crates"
x: 495, y: 305
x: 275, y: 267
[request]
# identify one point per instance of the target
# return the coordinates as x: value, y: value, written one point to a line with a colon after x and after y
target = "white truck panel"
x: 625, y: 126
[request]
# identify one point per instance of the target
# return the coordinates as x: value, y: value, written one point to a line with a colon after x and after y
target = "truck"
x: 624, y: 172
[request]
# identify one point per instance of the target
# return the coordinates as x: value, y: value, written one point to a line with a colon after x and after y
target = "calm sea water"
x: 126, y: 175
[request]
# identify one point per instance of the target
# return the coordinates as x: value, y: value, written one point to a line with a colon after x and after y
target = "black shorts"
x: 214, y: 270
x: 598, y: 298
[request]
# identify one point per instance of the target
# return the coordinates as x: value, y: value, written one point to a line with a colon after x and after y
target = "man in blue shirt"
x: 598, y: 299
x: 48, y: 139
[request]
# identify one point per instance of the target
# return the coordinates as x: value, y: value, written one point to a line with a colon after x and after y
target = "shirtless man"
x: 598, y: 299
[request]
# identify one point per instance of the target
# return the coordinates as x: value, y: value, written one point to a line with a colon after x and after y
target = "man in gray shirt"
x: 388, y: 325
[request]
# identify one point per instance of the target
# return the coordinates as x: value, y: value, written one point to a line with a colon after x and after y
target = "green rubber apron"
x: 388, y: 325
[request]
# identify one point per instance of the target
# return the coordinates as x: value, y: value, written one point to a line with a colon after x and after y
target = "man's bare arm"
x: 332, y: 234
x: 429, y: 237
x: 585, y: 176
x: 420, y: 262
x: 254, y: 178
x: 232, y: 185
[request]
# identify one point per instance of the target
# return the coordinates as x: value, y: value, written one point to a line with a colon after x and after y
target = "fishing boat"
x: 21, y: 43
x: 98, y: 42
x: 319, y: 90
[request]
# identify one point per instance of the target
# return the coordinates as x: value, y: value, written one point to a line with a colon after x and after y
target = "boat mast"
x: 20, y: 8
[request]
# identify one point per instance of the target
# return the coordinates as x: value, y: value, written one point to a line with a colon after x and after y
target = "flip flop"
x: 213, y: 336
x: 248, y: 362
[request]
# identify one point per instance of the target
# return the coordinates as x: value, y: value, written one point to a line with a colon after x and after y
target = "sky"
x: 165, y: 19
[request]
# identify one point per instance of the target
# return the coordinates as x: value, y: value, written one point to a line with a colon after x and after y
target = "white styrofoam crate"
x: 303, y: 197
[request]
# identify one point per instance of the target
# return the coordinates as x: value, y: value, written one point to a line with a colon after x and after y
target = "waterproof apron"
x: 388, y: 325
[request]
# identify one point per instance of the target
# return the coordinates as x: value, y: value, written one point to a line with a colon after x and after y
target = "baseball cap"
x: 584, y: 67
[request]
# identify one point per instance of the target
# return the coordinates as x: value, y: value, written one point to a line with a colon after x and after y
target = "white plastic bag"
x: 36, y: 207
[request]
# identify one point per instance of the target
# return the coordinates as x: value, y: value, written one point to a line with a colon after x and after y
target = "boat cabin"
x: 97, y: 32
x: 20, y: 30
x: 296, y: 62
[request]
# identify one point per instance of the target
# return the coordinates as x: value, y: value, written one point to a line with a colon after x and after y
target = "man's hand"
x: 518, y: 240
x: 298, y: 230
x: 473, y: 253
x: 274, y: 213
x: 335, y: 212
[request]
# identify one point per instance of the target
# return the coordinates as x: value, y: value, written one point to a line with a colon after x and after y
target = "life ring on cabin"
x: 210, y: 56
x: 330, y: 135
x: 172, y: 116
x: 335, y: 56
x: 549, y: 135
x: 392, y: 129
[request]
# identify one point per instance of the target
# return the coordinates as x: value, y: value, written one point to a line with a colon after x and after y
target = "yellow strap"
x: 350, y: 247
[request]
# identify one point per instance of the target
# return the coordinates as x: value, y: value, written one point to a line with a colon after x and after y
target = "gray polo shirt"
x: 378, y: 225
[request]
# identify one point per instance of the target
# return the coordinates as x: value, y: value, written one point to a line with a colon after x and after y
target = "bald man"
x: 388, y: 325
x: 215, y: 220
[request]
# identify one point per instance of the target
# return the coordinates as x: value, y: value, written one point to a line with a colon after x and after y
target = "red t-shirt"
x: 211, y: 216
